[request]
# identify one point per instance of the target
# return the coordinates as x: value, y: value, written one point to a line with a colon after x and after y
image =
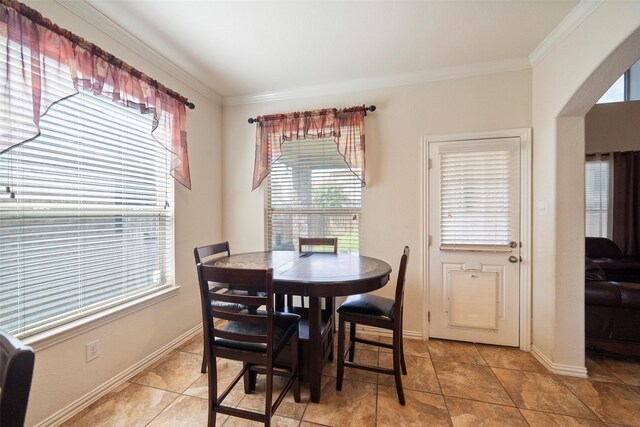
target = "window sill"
x: 62, y: 333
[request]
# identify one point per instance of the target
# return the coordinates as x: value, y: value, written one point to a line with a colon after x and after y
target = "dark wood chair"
x: 255, y: 337
x: 318, y: 245
x: 318, y: 241
x: 208, y: 253
x: 16, y: 372
x: 380, y: 312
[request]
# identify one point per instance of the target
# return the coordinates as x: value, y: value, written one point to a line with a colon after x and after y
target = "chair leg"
x: 205, y: 353
x: 294, y: 366
x: 404, y: 364
x: 330, y: 306
x: 352, y: 342
x: 269, y: 395
x: 397, y: 349
x: 213, y: 394
x: 340, y: 372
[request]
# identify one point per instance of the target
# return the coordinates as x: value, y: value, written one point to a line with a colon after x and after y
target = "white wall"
x: 613, y: 127
x: 61, y: 374
x: 566, y: 84
x: 392, y: 216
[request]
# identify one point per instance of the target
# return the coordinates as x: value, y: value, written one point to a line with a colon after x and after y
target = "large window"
x: 86, y: 216
x: 597, y: 193
x: 312, y: 193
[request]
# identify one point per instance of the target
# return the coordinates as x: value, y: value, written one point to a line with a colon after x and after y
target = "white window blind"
x: 597, y: 192
x: 86, y: 217
x: 476, y: 198
x: 312, y: 193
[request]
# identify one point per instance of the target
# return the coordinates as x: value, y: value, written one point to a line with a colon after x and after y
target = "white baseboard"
x: 104, y: 388
x: 557, y: 368
x: 387, y: 333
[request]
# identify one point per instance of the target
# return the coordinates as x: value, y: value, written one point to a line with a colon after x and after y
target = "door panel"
x: 474, y: 220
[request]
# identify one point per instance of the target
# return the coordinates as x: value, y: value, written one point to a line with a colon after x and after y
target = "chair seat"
x: 368, y: 305
x: 284, y: 325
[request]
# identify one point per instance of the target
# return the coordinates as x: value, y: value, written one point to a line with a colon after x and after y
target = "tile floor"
x: 449, y: 383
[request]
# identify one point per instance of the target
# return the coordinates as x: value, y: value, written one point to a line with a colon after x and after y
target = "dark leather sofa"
x: 612, y: 312
x: 609, y: 257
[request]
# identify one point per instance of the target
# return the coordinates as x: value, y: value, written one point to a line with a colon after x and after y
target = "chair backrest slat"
x: 260, y: 339
x: 234, y: 316
x: 202, y: 253
x: 16, y: 372
x: 234, y: 298
x: 318, y: 241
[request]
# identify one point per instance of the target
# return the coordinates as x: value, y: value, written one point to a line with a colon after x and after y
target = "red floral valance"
x: 345, y: 126
x: 46, y: 64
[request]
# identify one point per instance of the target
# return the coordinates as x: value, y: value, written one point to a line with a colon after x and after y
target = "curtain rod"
x: 370, y: 108
x: 37, y: 17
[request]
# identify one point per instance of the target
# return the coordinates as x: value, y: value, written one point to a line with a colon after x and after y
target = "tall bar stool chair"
x: 255, y: 337
x: 380, y: 312
x: 16, y: 372
x: 208, y: 253
x: 320, y: 245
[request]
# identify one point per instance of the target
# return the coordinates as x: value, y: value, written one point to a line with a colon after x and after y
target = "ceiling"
x: 244, y: 48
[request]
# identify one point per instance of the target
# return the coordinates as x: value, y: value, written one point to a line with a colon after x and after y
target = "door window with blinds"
x: 86, y: 217
x: 477, y: 203
x: 312, y: 193
x: 597, y: 173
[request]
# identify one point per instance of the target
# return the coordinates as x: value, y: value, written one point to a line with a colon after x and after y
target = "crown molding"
x: 93, y: 16
x: 564, y: 28
x: 444, y: 73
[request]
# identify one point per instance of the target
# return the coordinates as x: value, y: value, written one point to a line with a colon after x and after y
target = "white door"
x: 474, y: 249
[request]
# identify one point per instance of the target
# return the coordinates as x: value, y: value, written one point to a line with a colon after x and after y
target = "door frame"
x: 524, y: 134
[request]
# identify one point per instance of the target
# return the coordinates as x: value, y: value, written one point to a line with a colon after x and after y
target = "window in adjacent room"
x: 626, y: 88
x: 597, y: 196
x: 312, y: 193
x: 86, y: 216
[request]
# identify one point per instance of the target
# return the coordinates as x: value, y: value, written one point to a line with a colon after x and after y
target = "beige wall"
x: 613, y: 127
x: 566, y: 84
x: 392, y: 215
x: 61, y: 374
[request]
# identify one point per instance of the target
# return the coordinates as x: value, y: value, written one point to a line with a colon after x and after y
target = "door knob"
x: 513, y: 259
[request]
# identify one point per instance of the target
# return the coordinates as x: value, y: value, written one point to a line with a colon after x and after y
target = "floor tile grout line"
x: 503, y: 386
x: 523, y: 417
x: 598, y: 417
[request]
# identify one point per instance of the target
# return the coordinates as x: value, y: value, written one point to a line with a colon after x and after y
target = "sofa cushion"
x: 593, y: 271
x: 600, y: 247
x: 630, y: 295
x: 626, y: 269
x: 602, y: 294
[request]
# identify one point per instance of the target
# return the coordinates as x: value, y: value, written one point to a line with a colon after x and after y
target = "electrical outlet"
x: 93, y: 350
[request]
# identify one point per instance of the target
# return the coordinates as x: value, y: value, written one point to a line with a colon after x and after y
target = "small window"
x: 626, y: 88
x: 312, y: 193
x: 597, y: 193
x: 86, y: 217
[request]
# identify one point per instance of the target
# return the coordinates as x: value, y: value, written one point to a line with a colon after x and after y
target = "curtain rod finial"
x: 251, y: 120
x: 372, y: 108
x: 190, y: 105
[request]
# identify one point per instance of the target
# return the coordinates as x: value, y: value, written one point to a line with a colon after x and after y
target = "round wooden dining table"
x: 315, y: 275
